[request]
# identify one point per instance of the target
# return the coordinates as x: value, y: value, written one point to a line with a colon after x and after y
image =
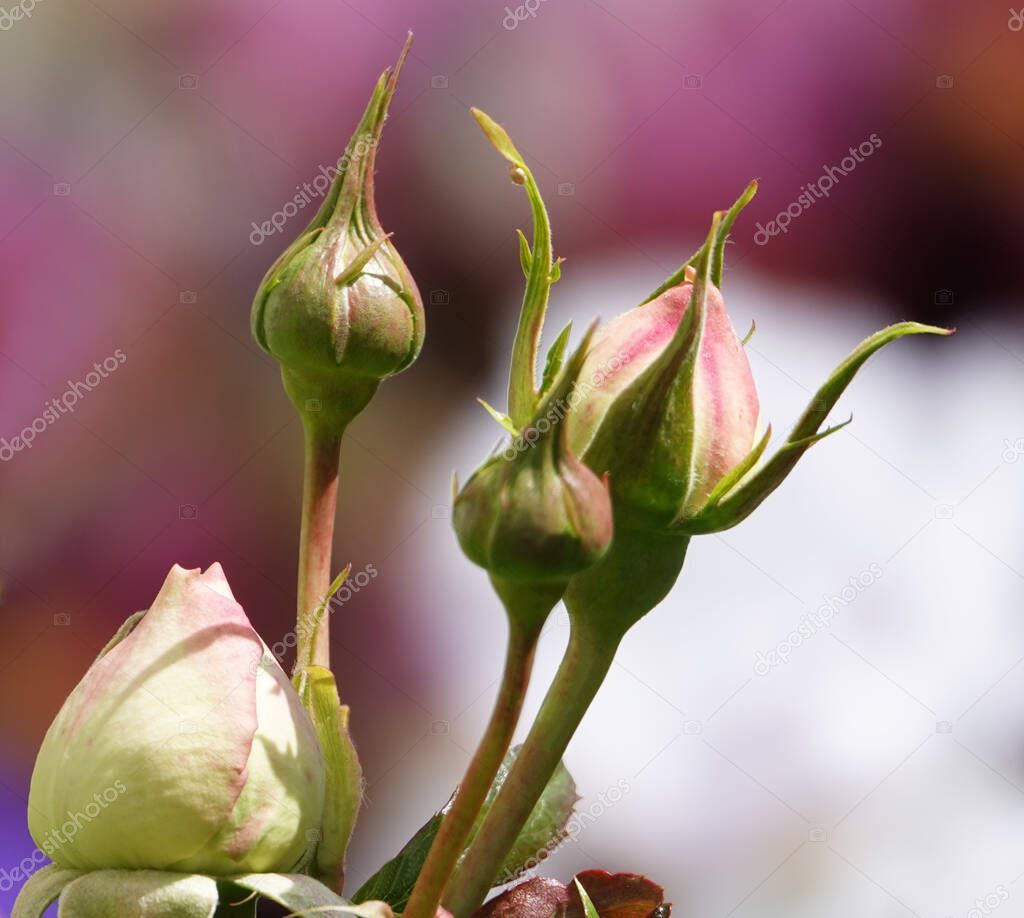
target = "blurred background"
x: 879, y: 770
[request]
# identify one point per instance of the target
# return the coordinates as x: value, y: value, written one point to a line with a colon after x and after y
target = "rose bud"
x: 672, y: 412
x: 184, y: 748
x: 535, y: 512
x: 339, y: 309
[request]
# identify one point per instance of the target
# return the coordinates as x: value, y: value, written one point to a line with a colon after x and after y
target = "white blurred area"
x: 876, y: 772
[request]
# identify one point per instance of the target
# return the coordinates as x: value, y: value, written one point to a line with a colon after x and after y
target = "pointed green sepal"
x: 525, y: 255
x: 716, y: 246
x: 139, y: 894
x: 553, y: 362
x: 344, y: 784
x: 503, y: 419
x: 735, y: 504
x: 522, y: 387
x: 354, y: 268
x: 41, y: 889
x: 589, y: 909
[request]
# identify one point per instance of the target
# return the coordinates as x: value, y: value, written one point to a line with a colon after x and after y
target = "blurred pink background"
x: 140, y: 143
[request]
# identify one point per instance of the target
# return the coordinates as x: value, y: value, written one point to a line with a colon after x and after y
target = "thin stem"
x: 459, y: 820
x: 237, y: 903
x: 584, y: 667
x: 319, y: 504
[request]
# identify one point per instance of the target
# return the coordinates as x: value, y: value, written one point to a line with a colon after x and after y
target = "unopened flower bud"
x: 184, y: 748
x: 673, y: 413
x: 339, y: 309
x: 535, y: 512
x: 691, y: 391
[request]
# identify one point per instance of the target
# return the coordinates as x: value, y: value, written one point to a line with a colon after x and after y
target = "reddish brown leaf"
x: 620, y: 895
x: 537, y: 898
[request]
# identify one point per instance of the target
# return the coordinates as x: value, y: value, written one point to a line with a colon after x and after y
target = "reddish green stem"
x: 584, y: 667
x: 319, y: 504
x: 528, y: 610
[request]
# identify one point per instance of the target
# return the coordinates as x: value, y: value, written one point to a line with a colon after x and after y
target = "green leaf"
x: 544, y: 830
x: 41, y: 889
x: 394, y: 881
x: 542, y: 833
x: 747, y: 495
x: 588, y: 907
x: 553, y: 362
x: 139, y: 894
x: 344, y: 788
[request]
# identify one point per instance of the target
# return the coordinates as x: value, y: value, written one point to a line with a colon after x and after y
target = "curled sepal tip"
x: 541, y: 272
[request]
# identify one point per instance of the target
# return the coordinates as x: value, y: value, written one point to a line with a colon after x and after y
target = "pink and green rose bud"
x: 535, y: 512
x: 184, y: 748
x: 696, y: 399
x: 339, y: 309
x: 673, y: 414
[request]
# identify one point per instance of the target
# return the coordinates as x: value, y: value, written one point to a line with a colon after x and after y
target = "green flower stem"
x: 319, y: 504
x: 528, y: 608
x: 604, y: 602
x: 584, y: 667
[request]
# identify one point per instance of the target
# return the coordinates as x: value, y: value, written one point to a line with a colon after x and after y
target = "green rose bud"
x: 184, y: 748
x: 339, y: 309
x: 535, y: 512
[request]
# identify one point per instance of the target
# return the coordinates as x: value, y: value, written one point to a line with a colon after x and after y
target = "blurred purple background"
x: 141, y: 142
